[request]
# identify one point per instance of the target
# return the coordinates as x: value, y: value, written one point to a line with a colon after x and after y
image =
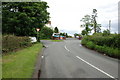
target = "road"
x: 69, y: 59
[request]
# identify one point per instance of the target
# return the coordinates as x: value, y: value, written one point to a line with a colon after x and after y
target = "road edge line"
x: 96, y: 68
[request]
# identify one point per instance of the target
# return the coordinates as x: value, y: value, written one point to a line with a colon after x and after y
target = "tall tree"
x: 66, y: 35
x: 94, y: 20
x: 22, y: 18
x: 56, y: 30
x: 87, y: 23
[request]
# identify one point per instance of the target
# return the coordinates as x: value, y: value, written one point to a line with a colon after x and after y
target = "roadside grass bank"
x: 107, y: 45
x: 21, y: 64
x: 45, y: 39
x: 56, y: 40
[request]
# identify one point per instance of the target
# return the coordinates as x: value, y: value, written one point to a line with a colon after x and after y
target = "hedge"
x: 106, y: 44
x: 12, y: 43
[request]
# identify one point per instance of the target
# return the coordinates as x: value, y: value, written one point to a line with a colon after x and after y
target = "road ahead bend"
x: 69, y: 59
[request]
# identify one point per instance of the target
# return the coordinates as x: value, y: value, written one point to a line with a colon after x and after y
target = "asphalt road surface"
x: 69, y: 59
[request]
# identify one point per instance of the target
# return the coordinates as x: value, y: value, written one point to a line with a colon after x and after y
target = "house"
x: 57, y: 36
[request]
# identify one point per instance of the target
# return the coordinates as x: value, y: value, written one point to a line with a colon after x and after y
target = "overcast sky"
x: 66, y: 14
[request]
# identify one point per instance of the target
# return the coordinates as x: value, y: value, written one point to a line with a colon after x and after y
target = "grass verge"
x: 56, y: 40
x: 45, y: 39
x: 21, y: 64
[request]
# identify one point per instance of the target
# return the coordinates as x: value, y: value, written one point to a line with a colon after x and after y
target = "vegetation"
x: 103, y: 43
x: 56, y: 30
x: 90, y: 23
x: 22, y: 18
x: 64, y: 34
x: 12, y: 43
x: 76, y: 35
x: 46, y: 33
x: 87, y: 23
x: 96, y: 26
x: 21, y: 64
x: 56, y: 40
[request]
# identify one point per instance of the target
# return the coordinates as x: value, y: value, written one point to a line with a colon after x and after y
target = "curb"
x: 37, y: 69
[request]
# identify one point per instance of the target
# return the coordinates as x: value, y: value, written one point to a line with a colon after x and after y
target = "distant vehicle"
x: 79, y: 37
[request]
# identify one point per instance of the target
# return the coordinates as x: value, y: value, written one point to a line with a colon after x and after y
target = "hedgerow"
x: 106, y: 44
x: 12, y: 43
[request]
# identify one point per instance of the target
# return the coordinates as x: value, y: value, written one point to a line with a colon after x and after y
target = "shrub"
x: 106, y: 44
x: 90, y: 44
x: 84, y: 40
x: 110, y: 41
x: 11, y: 43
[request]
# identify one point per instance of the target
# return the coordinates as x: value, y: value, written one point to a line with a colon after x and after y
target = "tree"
x: 98, y: 29
x: 106, y: 32
x: 46, y: 33
x: 66, y: 35
x: 56, y: 30
x: 22, y: 18
x: 76, y: 35
x: 87, y: 23
x: 84, y: 32
x: 94, y: 20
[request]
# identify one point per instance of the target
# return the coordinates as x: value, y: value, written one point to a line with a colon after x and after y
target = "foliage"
x: 90, y: 44
x: 46, y: 33
x: 21, y: 64
x: 90, y: 23
x: 12, y: 43
x: 94, y: 20
x: 56, y: 30
x: 106, y: 44
x: 87, y: 24
x: 106, y: 32
x: 64, y: 34
x: 76, y: 35
x: 22, y: 18
x: 85, y: 31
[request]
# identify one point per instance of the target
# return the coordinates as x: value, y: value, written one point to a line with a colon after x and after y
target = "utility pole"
x: 109, y: 24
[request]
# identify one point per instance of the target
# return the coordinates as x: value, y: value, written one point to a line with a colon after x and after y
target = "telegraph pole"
x: 109, y: 24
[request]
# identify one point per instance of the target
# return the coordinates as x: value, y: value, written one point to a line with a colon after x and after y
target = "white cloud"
x: 66, y: 14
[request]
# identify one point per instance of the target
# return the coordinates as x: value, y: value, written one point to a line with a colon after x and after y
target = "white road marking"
x: 80, y: 45
x: 66, y: 48
x: 96, y: 68
x: 42, y: 56
x: 46, y: 46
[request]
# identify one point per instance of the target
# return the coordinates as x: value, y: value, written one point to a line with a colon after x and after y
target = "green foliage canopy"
x: 22, y: 18
x: 46, y: 33
x: 56, y: 30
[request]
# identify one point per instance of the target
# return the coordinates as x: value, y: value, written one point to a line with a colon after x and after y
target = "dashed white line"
x: 96, y: 68
x: 42, y: 56
x: 66, y: 48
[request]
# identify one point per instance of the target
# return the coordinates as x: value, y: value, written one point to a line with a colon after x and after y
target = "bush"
x: 106, y: 44
x: 11, y: 43
x: 90, y: 44
x: 110, y: 41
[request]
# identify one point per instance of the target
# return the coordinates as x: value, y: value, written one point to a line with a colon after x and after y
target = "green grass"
x: 56, y: 40
x: 45, y: 39
x: 21, y: 64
